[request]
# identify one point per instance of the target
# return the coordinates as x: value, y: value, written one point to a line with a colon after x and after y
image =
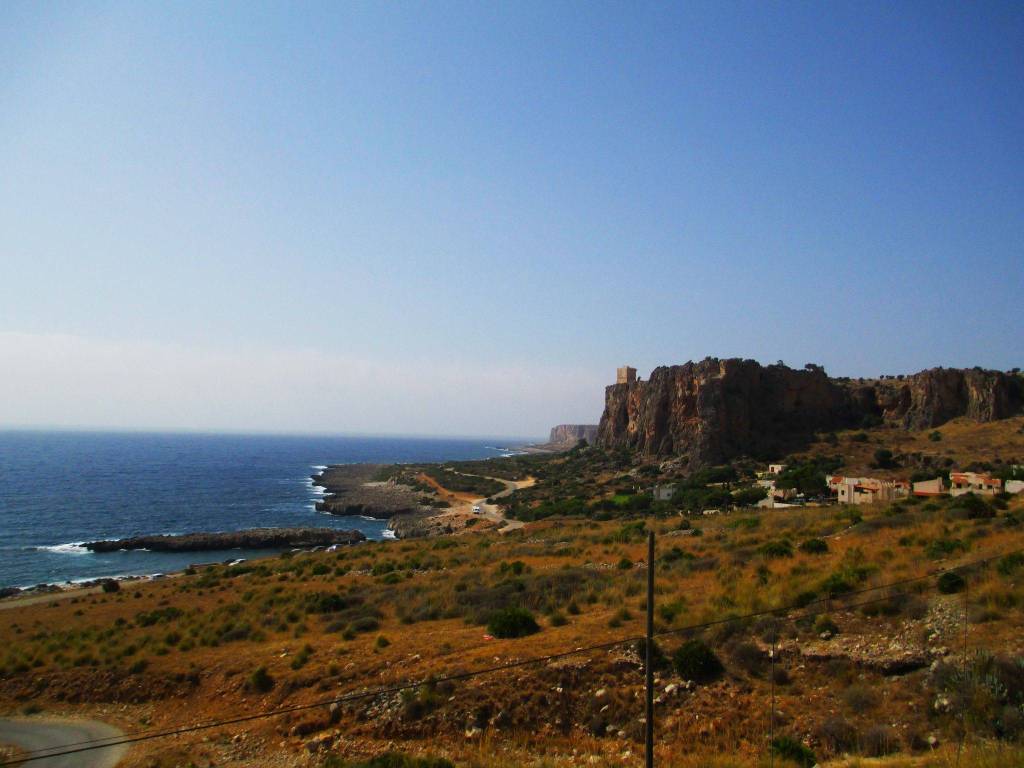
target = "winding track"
x: 51, y: 734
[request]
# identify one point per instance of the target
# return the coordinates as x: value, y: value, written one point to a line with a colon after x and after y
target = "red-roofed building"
x: 974, y: 482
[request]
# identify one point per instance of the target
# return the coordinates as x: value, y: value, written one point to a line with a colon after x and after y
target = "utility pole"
x: 649, y: 646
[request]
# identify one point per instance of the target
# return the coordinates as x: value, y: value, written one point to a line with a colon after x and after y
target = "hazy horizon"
x: 458, y: 220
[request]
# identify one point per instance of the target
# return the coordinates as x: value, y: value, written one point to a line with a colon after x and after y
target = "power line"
x: 84, y: 746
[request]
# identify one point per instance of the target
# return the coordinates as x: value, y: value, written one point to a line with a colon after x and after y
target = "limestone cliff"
x: 570, y: 434
x: 715, y: 410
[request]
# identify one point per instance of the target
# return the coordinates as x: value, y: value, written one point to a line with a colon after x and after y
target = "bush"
x: 860, y: 698
x: 971, y: 506
x: 950, y: 583
x: 814, y: 547
x: 260, y: 680
x: 111, y: 585
x: 512, y: 622
x: 695, y: 661
x: 794, y: 750
x: 750, y: 658
x: 824, y: 625
x: 1009, y: 564
x: 879, y: 741
x: 837, y: 735
x: 884, y: 459
x: 774, y: 549
x: 658, y: 658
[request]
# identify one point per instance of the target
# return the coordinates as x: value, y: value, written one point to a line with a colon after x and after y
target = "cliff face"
x: 933, y: 397
x: 570, y: 434
x: 716, y: 410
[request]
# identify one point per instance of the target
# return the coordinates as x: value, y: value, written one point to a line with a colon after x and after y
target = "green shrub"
x: 950, y: 583
x: 972, y: 506
x: 658, y: 658
x: 814, y: 547
x: 512, y: 622
x: 774, y: 549
x: 794, y: 750
x: 943, y: 548
x: 695, y: 661
x: 111, y: 585
x: 1009, y: 564
x: 260, y: 680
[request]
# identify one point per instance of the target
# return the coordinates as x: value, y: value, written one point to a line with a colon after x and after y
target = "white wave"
x: 319, y: 467
x: 71, y: 548
x: 387, y: 533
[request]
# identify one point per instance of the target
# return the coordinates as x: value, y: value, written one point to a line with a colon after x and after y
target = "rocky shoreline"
x: 352, y: 489
x: 256, y: 538
x: 356, y: 489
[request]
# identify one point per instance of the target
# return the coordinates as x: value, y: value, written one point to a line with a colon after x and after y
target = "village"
x: 846, y: 489
x: 869, y: 490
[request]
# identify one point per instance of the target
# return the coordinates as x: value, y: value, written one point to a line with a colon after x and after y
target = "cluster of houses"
x: 868, y: 490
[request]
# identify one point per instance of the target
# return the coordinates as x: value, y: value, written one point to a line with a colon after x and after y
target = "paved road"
x: 45, y: 734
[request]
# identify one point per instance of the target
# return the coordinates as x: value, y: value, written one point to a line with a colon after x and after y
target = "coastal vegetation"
x: 756, y: 610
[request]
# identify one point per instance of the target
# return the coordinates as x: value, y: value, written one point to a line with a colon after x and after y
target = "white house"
x: 973, y: 482
x: 866, y: 490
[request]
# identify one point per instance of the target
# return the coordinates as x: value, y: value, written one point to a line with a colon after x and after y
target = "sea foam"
x: 71, y: 548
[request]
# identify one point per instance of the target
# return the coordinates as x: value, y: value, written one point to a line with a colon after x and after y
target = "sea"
x: 60, y: 489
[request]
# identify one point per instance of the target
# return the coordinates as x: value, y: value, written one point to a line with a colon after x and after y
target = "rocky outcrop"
x: 256, y: 538
x: 715, y: 410
x: 933, y: 397
x: 351, y: 489
x: 571, y: 434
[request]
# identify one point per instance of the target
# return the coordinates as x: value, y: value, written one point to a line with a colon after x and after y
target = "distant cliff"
x: 715, y: 410
x: 570, y: 434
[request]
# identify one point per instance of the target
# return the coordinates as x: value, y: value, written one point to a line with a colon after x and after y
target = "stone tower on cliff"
x: 625, y: 375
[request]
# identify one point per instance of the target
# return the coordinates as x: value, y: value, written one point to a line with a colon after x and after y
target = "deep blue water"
x: 58, y: 489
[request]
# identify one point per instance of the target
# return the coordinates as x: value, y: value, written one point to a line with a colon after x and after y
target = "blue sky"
x: 458, y: 218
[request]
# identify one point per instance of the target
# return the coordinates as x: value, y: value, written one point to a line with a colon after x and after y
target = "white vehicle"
x: 476, y: 509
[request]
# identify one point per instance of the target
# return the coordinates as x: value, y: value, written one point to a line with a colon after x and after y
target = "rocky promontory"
x: 570, y: 434
x: 256, y: 538
x: 716, y: 410
x: 354, y: 489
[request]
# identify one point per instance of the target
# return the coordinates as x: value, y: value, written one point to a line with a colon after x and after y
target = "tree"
x: 884, y: 459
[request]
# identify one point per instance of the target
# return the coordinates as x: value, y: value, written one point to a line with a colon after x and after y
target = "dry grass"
x: 201, y: 636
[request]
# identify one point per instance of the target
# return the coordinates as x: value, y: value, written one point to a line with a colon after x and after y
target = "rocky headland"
x: 352, y: 489
x: 716, y: 410
x: 256, y: 538
x: 568, y: 435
